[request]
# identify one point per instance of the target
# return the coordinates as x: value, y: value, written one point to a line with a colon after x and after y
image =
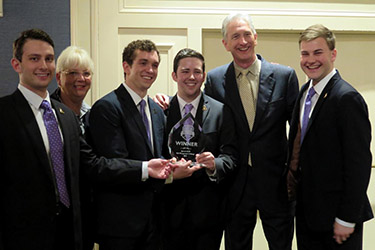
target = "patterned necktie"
x: 187, y: 109
x: 187, y: 126
x: 292, y: 177
x: 142, y: 105
x: 247, y: 98
x: 248, y: 102
x: 56, y: 151
x: 306, y: 112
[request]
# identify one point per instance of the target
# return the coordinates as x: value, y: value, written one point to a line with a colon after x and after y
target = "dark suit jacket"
x: 335, y: 157
x: 197, y: 200
x: 117, y: 130
x: 267, y: 142
x: 28, y: 202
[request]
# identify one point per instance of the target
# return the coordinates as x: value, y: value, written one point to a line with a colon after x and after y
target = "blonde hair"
x: 316, y: 31
x: 74, y: 56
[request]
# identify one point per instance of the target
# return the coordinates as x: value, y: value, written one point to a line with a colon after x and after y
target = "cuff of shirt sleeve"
x: 169, y: 180
x: 144, y: 170
x: 344, y: 223
x: 211, y: 175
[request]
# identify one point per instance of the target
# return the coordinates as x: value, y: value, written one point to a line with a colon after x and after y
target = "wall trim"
x: 73, y: 21
x: 261, y: 12
x: 1, y: 8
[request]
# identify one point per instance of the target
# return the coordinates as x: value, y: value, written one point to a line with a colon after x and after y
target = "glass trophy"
x: 185, y: 139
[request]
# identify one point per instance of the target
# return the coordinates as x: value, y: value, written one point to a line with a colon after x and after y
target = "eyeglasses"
x: 77, y: 74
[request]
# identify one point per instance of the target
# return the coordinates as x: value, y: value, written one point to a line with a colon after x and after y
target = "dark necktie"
x: 56, y: 151
x: 293, y: 175
x: 188, y: 123
x: 142, y: 105
x: 306, y: 112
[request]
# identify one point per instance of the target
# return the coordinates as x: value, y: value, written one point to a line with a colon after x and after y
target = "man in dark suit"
x: 261, y: 97
x: 193, y: 204
x: 330, y: 159
x: 129, y: 125
x: 34, y: 214
x: 261, y: 107
x: 40, y: 169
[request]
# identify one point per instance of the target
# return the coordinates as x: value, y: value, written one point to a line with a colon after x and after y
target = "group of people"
x: 107, y: 175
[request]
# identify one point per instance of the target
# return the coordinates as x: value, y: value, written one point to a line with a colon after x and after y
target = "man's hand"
x: 207, y: 160
x: 182, y: 169
x: 159, y: 168
x: 162, y: 100
x: 341, y: 233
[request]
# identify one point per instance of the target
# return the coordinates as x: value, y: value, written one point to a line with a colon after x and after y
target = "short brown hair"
x: 129, y: 52
x: 185, y: 53
x: 316, y: 31
x: 32, y: 34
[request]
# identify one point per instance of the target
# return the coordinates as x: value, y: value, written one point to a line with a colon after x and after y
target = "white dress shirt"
x: 136, y: 98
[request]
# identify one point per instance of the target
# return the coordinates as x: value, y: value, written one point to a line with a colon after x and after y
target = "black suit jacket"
x: 28, y: 203
x: 267, y: 142
x: 197, y: 200
x: 117, y: 130
x: 335, y: 157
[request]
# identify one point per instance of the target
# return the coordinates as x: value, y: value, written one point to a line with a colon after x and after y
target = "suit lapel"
x: 158, y: 122
x: 203, y: 110
x: 128, y: 104
x: 233, y: 95
x: 27, y: 118
x: 64, y: 126
x: 322, y: 99
x: 296, y: 112
x: 173, y: 114
x: 266, y: 87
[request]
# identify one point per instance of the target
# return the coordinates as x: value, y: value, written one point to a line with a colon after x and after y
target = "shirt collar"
x: 84, y: 109
x: 321, y: 85
x: 34, y: 99
x: 253, y: 68
x: 195, y: 103
x: 136, y: 98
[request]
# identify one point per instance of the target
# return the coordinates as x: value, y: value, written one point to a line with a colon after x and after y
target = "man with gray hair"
x: 261, y: 96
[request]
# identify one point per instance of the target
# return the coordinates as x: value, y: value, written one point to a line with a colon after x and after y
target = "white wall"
x: 105, y: 27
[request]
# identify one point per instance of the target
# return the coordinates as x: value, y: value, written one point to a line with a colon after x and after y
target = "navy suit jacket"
x: 117, y: 130
x: 267, y: 142
x: 28, y: 201
x: 198, y: 199
x: 335, y: 157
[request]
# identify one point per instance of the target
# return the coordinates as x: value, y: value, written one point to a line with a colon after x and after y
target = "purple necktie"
x: 56, y: 151
x: 142, y: 105
x: 306, y: 112
x: 188, y: 122
x: 187, y: 108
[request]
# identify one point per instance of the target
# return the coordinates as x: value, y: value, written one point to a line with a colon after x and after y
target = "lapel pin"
x: 204, y: 108
x: 326, y: 94
x: 61, y: 111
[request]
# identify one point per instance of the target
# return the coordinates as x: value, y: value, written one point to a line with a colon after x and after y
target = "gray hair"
x: 236, y: 16
x: 74, y: 56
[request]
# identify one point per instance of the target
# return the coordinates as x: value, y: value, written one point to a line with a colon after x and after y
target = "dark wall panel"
x: 52, y: 16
